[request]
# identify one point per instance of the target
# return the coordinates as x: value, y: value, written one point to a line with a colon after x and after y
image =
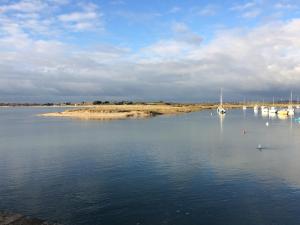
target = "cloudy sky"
x: 172, y: 50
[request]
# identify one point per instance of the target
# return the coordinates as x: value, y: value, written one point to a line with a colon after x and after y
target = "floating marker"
x: 267, y: 124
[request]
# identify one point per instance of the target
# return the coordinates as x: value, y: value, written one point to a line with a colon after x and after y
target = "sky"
x: 140, y: 50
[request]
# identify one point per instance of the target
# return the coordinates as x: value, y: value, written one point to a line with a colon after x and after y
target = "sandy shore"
x: 112, y: 112
x: 135, y: 111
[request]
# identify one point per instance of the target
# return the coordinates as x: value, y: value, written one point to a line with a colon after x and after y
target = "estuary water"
x: 191, y: 169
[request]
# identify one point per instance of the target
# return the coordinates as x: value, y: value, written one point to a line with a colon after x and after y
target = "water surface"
x: 190, y: 169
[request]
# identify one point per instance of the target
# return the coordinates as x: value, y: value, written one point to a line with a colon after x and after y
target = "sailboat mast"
x: 221, y: 97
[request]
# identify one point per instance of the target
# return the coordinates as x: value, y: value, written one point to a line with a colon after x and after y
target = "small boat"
x: 259, y: 147
x: 283, y: 116
x: 273, y: 110
x: 283, y: 112
x: 244, y: 106
x: 220, y: 108
x: 255, y: 108
x: 291, y: 110
x: 264, y: 109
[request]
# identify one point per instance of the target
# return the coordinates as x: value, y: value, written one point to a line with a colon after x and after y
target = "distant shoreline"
x: 118, y: 111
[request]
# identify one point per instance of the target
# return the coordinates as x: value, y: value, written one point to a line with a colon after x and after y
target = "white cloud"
x: 184, y: 34
x: 39, y: 17
x: 137, y: 17
x: 284, y: 5
x: 261, y: 59
x: 88, y: 19
x: 208, y: 10
x: 170, y: 49
x: 28, y: 6
x: 78, y: 16
x: 242, y: 7
x: 251, y: 13
x: 175, y: 9
x: 180, y: 28
x: 248, y: 10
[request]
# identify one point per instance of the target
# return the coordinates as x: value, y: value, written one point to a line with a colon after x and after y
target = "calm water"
x: 181, y: 170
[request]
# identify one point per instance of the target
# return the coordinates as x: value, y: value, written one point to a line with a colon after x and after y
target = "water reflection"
x: 282, y: 117
x: 265, y: 114
x: 272, y: 115
x: 244, y: 113
x: 221, y: 121
x: 165, y: 170
x: 291, y: 117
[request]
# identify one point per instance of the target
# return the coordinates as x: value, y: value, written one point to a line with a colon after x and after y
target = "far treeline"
x: 128, y: 103
x: 105, y: 102
x: 97, y: 102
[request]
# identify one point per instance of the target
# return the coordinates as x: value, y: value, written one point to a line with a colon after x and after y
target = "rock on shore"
x: 18, y: 219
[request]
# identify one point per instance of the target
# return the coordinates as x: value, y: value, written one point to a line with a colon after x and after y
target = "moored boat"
x: 220, y: 108
x: 273, y: 110
x: 291, y: 110
x: 255, y: 109
x: 283, y: 116
x: 264, y: 109
x: 283, y: 112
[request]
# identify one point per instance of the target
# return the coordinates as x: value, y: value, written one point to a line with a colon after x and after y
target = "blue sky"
x: 57, y: 50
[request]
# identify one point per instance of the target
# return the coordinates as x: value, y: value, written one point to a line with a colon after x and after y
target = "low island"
x: 131, y: 111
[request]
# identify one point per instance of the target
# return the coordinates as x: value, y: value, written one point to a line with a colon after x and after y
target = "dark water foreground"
x: 18, y: 219
x: 191, y: 169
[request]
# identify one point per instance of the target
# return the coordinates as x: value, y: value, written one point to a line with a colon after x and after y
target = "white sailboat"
x: 255, y: 109
x: 273, y: 110
x: 291, y: 110
x: 244, y: 106
x: 264, y: 110
x: 220, y: 108
x: 297, y: 106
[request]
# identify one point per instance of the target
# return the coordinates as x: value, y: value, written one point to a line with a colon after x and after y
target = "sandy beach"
x: 112, y: 112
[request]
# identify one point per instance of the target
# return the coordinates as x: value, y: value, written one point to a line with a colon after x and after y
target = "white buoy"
x: 267, y: 124
x: 259, y: 147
